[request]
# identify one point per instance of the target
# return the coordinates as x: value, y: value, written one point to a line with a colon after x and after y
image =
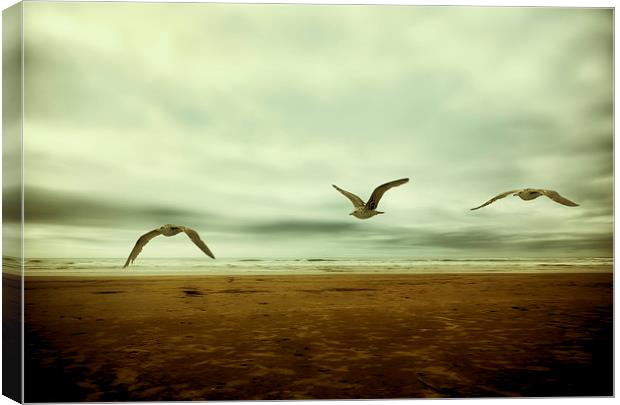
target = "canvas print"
x: 287, y: 201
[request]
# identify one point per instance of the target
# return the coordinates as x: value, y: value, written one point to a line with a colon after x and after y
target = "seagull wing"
x: 142, y: 240
x: 555, y: 196
x: 373, y: 201
x: 357, y: 202
x: 193, y: 235
x: 497, y: 197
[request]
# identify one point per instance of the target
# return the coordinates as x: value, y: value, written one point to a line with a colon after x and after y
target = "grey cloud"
x: 79, y: 96
x: 576, y: 244
x: 47, y: 206
x: 11, y: 204
x: 491, y: 241
x: 250, y: 112
x: 115, y: 97
x: 301, y: 227
x: 594, y: 208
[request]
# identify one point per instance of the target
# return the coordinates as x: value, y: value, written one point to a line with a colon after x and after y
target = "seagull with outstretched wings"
x: 167, y: 230
x: 368, y: 209
x: 530, y: 194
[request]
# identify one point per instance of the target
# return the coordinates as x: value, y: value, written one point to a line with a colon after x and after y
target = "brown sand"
x: 11, y: 332
x: 318, y: 337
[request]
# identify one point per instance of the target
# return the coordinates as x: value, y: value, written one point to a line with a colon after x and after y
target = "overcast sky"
x: 236, y: 120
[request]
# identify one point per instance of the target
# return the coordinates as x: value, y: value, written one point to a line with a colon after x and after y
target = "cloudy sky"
x: 237, y: 119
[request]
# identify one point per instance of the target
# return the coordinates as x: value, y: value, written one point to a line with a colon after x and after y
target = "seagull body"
x: 167, y: 230
x: 531, y: 194
x: 368, y: 210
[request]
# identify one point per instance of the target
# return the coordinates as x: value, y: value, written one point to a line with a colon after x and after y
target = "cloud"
x: 301, y: 227
x: 48, y: 206
x: 487, y: 242
x: 238, y: 118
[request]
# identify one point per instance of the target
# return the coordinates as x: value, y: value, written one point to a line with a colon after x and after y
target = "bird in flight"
x: 166, y: 230
x: 530, y: 194
x: 367, y: 210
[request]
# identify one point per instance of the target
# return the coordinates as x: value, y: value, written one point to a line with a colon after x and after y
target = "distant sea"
x: 202, y: 266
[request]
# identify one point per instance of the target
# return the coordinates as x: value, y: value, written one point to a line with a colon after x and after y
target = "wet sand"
x: 318, y: 337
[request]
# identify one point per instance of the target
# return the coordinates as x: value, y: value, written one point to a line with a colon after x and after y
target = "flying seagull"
x: 367, y: 210
x: 166, y: 230
x: 530, y: 194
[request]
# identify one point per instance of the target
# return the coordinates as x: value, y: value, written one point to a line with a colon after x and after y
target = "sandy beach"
x: 318, y: 337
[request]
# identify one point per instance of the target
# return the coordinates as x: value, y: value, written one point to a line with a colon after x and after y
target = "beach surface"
x: 335, y: 336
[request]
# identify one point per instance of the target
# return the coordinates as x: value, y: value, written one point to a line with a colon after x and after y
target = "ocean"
x: 204, y: 266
